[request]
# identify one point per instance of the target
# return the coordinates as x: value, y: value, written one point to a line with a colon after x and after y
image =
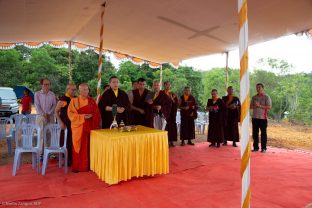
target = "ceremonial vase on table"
x: 114, y: 112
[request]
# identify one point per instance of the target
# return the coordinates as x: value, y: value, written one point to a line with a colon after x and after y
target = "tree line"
x: 291, y: 94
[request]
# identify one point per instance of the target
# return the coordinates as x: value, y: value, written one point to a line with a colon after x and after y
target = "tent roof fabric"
x: 160, y: 31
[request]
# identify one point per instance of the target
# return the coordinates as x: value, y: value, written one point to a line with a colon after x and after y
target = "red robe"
x: 81, y: 130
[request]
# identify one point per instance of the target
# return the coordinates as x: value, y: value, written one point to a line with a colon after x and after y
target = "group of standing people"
x: 156, y: 108
x: 140, y: 106
x: 79, y: 115
x: 224, y: 116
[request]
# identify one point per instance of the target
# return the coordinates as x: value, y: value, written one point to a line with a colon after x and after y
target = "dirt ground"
x: 282, y: 135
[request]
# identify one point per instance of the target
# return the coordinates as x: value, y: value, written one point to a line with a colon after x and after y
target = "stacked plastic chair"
x: 54, y: 131
x: 31, y: 118
x: 201, y: 122
x: 6, y: 133
x: 26, y: 133
x: 16, y: 119
x: 178, y: 121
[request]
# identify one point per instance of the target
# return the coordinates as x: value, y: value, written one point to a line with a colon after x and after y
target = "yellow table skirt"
x: 118, y: 156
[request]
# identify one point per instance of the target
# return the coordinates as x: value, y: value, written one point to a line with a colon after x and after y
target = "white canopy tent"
x: 160, y: 31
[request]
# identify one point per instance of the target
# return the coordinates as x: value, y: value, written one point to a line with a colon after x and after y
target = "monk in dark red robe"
x: 216, y: 108
x: 112, y: 96
x: 63, y: 120
x: 188, y: 110
x: 171, y: 126
x: 85, y: 116
x: 141, y: 104
x: 160, y: 107
x: 232, y: 117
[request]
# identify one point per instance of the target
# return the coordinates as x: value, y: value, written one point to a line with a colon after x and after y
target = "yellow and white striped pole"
x: 245, y: 98
x: 100, y: 62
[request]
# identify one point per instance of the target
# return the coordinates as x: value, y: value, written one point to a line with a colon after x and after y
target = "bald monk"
x: 63, y: 120
x: 85, y: 116
x: 161, y: 105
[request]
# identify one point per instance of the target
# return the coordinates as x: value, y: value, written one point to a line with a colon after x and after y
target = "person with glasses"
x: 45, y: 102
x: 260, y: 104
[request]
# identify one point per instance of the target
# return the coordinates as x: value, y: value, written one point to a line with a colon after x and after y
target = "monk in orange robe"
x: 85, y: 116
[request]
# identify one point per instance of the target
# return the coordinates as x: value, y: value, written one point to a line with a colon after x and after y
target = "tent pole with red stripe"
x: 100, y: 62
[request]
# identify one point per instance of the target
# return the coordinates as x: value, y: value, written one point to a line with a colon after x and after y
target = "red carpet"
x: 199, y: 177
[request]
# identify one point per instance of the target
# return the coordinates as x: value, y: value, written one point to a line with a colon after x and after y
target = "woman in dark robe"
x: 216, y: 108
x: 232, y: 117
x: 188, y: 110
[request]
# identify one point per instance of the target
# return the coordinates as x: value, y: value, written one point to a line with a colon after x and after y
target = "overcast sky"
x: 296, y: 50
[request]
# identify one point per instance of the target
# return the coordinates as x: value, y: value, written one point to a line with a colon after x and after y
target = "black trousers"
x: 261, y: 124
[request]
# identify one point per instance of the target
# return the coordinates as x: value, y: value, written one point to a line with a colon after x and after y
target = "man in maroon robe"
x: 171, y: 126
x: 63, y: 120
x: 112, y: 96
x: 188, y: 110
x: 216, y: 108
x: 232, y: 117
x: 140, y: 104
x: 85, y: 116
x: 161, y: 106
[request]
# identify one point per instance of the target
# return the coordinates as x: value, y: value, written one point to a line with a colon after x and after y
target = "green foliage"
x: 10, y: 68
x: 291, y: 94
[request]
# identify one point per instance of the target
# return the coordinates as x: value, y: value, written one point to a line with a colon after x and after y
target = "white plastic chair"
x: 16, y: 119
x: 201, y: 122
x: 31, y: 118
x: 27, y: 132
x: 54, y: 146
x: 5, y: 132
x: 178, y: 121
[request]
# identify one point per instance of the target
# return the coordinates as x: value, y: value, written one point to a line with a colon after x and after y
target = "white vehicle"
x: 8, y: 102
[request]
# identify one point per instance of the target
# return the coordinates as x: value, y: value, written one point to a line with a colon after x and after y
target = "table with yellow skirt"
x: 118, y: 156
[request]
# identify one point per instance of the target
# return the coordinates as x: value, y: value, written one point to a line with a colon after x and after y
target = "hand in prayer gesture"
x: 120, y: 109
